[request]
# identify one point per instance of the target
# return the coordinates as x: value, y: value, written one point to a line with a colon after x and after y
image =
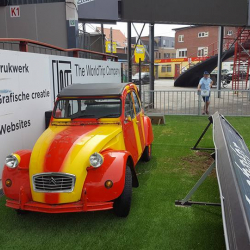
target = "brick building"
x: 118, y: 37
x: 200, y: 41
x: 164, y: 46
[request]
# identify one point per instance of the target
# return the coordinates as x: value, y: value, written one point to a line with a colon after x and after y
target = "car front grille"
x: 54, y: 182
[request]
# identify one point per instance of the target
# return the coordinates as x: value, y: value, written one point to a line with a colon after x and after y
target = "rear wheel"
x: 123, y: 202
x: 146, y: 156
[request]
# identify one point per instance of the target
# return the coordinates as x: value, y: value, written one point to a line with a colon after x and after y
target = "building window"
x: 166, y: 55
x: 181, y: 38
x: 203, y: 34
x: 229, y: 32
x: 166, y: 68
x: 159, y: 55
x: 173, y: 44
x: 202, y: 51
x: 181, y: 53
x: 173, y: 55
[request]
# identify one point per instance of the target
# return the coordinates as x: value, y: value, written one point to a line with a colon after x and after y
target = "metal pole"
x: 129, y: 53
x: 199, y: 103
x: 103, y: 38
x: 151, y: 52
x: 121, y: 72
x: 140, y: 78
x: 203, y: 133
x: 111, y: 41
x: 220, y: 50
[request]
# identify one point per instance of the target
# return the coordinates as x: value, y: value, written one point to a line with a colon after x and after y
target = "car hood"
x: 66, y: 149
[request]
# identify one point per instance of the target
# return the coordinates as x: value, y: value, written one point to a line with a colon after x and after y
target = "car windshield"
x: 87, y: 108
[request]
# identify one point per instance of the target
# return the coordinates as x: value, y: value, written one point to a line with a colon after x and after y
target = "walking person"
x: 204, y: 88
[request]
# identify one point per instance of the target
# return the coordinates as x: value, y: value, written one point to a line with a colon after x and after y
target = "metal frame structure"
x: 232, y: 161
x: 188, y: 102
x: 202, y: 135
x: 241, y: 59
x: 24, y: 47
x: 186, y: 201
x: 150, y: 53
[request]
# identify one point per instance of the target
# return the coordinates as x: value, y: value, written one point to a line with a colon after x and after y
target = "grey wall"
x: 98, y: 10
x: 42, y: 22
x: 213, y: 12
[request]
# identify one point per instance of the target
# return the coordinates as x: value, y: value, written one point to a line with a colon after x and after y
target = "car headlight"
x: 96, y: 160
x: 12, y: 161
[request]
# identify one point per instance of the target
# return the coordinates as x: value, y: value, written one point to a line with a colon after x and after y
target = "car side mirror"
x: 128, y: 118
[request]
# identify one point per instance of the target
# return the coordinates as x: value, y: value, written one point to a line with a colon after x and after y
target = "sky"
x: 160, y: 29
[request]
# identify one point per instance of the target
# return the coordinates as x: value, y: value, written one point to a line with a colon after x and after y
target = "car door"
x: 139, y: 121
x: 128, y: 127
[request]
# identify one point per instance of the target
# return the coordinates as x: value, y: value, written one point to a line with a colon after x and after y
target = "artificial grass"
x: 154, y: 221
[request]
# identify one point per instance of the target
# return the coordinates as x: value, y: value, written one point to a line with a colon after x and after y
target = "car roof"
x: 93, y: 89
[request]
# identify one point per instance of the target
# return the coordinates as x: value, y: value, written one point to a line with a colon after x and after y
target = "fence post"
x: 199, y: 102
x: 23, y: 46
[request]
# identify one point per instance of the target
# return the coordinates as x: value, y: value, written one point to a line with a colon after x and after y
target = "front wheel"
x: 146, y: 156
x: 21, y: 212
x: 123, y: 202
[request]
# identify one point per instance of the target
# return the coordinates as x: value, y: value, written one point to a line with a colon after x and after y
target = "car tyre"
x: 21, y: 212
x: 146, y: 156
x: 123, y: 202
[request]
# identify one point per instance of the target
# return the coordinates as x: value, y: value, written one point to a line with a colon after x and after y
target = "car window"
x: 88, y: 108
x: 67, y: 108
x: 137, y: 103
x: 129, y: 108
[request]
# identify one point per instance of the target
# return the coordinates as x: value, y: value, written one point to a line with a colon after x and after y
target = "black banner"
x: 233, y: 171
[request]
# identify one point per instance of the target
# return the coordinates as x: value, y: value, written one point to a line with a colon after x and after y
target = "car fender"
x: 114, y: 169
x: 19, y: 177
x: 149, y: 136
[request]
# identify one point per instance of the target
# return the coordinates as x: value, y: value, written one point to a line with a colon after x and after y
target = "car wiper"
x: 84, y: 116
x: 107, y: 116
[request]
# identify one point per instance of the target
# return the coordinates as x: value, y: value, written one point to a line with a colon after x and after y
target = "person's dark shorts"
x: 206, y: 98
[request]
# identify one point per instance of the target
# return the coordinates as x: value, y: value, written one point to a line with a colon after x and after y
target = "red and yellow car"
x: 85, y: 160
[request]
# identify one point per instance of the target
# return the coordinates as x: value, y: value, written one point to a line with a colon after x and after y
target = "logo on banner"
x: 80, y: 2
x: 61, y: 75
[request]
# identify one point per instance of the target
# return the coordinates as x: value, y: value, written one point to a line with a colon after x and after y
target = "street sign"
x: 108, y: 47
x: 72, y: 23
x: 139, y: 53
x: 15, y: 11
